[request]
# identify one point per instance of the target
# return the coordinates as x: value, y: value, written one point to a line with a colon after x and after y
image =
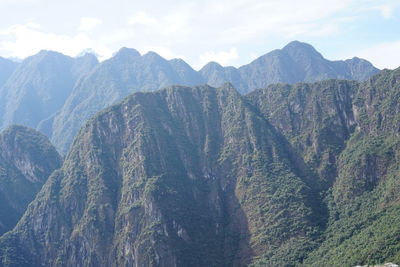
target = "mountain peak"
x: 49, y: 53
x: 87, y: 52
x: 152, y: 55
x: 212, y: 65
x: 88, y: 57
x: 46, y: 56
x: 177, y: 61
x: 296, y: 47
x: 127, y: 52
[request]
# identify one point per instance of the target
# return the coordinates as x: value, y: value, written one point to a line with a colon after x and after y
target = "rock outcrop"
x: 26, y: 161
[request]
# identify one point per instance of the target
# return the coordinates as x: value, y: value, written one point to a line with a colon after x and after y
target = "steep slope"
x: 185, y: 72
x: 290, y: 175
x: 349, y: 133
x: 6, y: 69
x: 38, y: 88
x: 114, y: 79
x: 128, y: 72
x: 365, y: 198
x: 178, y: 177
x: 296, y: 62
x: 26, y: 160
x: 316, y: 118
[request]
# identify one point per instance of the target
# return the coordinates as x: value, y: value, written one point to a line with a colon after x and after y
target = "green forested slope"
x: 26, y: 160
x: 290, y: 175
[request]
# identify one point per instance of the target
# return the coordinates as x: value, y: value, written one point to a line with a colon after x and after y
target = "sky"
x: 230, y: 32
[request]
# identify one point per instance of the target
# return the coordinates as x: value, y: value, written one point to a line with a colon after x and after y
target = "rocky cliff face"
x: 348, y: 133
x: 26, y: 160
x: 316, y: 118
x: 179, y: 177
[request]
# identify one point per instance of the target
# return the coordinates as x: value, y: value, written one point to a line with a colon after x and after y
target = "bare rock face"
x: 316, y: 118
x: 348, y: 133
x: 26, y: 161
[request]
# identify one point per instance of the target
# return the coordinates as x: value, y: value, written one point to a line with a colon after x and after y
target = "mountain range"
x: 56, y: 94
x: 303, y: 174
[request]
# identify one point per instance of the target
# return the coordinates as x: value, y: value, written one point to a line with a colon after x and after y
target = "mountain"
x: 110, y: 82
x: 216, y: 75
x: 128, y: 72
x: 26, y: 161
x: 178, y: 177
x: 296, y: 62
x: 56, y: 94
x: 80, y: 68
x: 289, y: 175
x: 365, y: 202
x: 6, y: 69
x: 317, y: 119
x: 348, y: 133
x: 38, y: 87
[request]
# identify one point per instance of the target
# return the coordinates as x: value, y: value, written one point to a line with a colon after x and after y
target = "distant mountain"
x: 289, y: 175
x: 26, y: 160
x: 128, y: 72
x: 89, y: 51
x: 6, y: 69
x: 296, y: 62
x: 215, y: 75
x: 56, y: 94
x: 39, y: 86
x: 112, y: 80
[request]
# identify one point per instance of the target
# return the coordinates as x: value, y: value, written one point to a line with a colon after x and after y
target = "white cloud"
x: 383, y: 55
x: 142, y: 18
x: 386, y: 8
x: 26, y: 39
x: 17, y: 2
x: 386, y: 11
x: 87, y: 24
x: 207, y: 28
x: 32, y: 24
x: 222, y: 57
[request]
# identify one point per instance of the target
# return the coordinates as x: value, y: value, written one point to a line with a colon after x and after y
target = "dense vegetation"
x: 290, y: 175
x: 26, y: 160
x: 349, y: 134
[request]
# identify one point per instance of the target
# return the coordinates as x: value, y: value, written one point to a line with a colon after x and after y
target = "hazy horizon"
x: 230, y: 33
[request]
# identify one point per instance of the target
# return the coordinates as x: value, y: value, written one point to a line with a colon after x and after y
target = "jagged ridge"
x: 179, y: 177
